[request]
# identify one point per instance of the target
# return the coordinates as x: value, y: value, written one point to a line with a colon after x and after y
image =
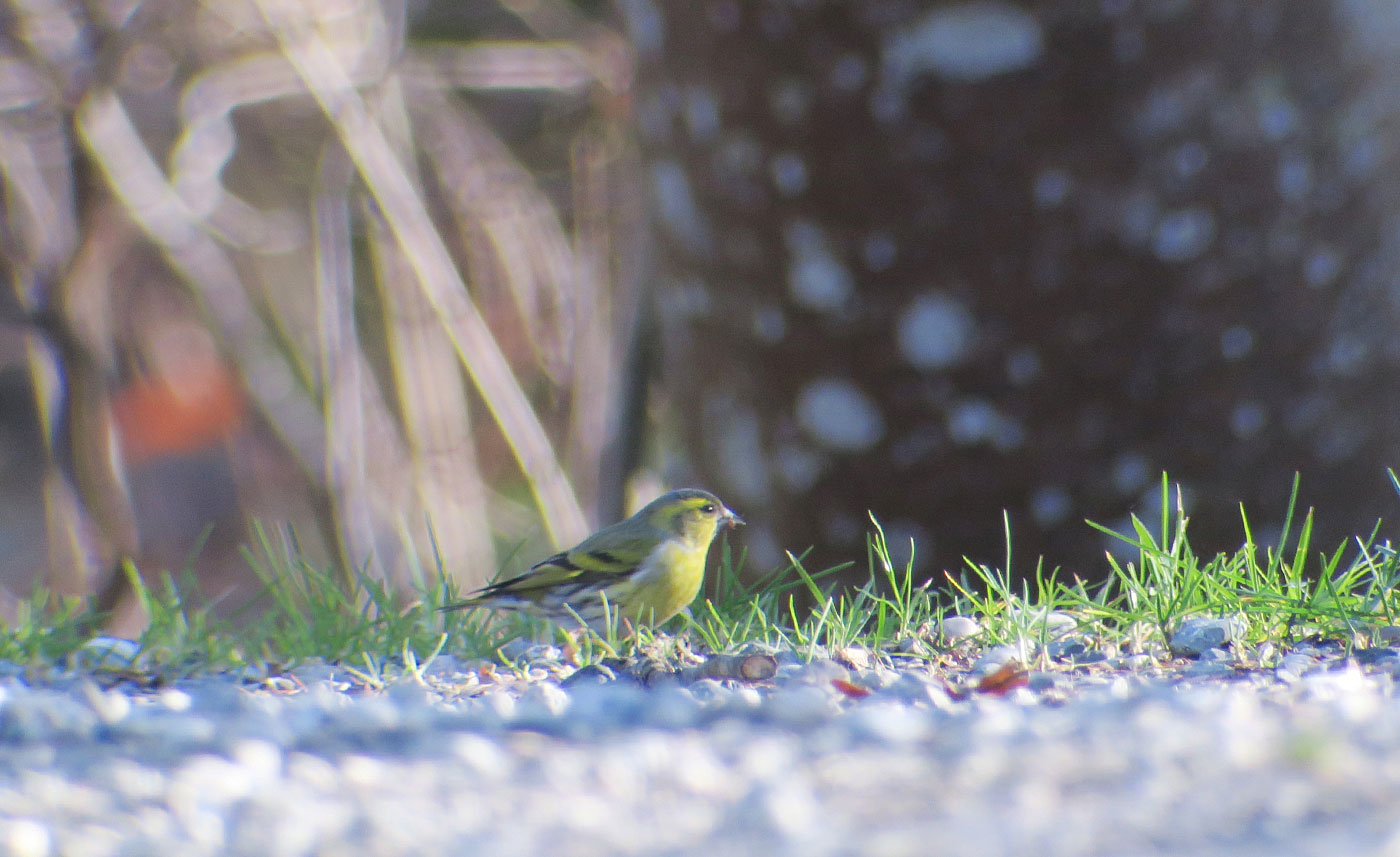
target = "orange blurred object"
x: 173, y: 416
x: 850, y: 689
x: 1005, y: 679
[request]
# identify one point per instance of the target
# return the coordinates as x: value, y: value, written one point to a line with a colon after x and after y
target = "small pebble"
x: 106, y: 653
x: 25, y: 838
x: 910, y: 644
x: 853, y: 657
x: 955, y: 628
x: 590, y: 674
x: 1200, y: 633
x: 819, y: 672
x: 1066, y: 648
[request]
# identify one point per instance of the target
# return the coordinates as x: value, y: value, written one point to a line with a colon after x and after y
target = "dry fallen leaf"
x: 1006, y: 678
x: 854, y: 691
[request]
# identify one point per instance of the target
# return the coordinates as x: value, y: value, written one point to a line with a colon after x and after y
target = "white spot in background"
x: 1236, y: 342
x: 798, y: 466
x: 965, y: 42
x: 849, y: 73
x: 677, y: 209
x: 1189, y: 159
x: 1130, y: 472
x: 1247, y: 419
x: 789, y: 173
x: 976, y: 421
x: 1278, y: 117
x: 935, y: 331
x: 1183, y: 235
x: 879, y: 251
x: 1322, y: 267
x: 1023, y: 365
x: 839, y: 415
x: 1051, y: 505
x: 972, y: 422
x: 645, y: 25
x: 1164, y: 110
x: 701, y: 113
x: 1052, y: 186
x: 738, y: 448
x: 1347, y: 355
x: 816, y: 278
x: 790, y: 99
x: 769, y: 324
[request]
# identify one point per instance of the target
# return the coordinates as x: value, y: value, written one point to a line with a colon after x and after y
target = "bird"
x: 644, y: 569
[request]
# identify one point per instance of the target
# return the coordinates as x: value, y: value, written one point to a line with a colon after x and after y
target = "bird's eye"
x: 708, y: 508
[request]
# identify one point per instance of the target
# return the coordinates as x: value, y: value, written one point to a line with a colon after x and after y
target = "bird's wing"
x: 603, y: 556
x: 575, y: 567
x: 599, y: 560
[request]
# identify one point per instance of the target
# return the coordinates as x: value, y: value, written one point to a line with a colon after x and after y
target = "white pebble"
x: 26, y: 838
x: 957, y: 627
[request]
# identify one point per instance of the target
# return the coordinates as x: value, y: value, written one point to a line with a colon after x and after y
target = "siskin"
x: 647, y: 567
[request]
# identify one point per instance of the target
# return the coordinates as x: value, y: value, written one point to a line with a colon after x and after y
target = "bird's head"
x: 690, y: 513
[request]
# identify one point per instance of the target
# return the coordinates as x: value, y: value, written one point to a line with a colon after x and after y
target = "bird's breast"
x: 667, y: 581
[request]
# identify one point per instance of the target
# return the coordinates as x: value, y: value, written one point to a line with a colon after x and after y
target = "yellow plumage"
x: 648, y: 567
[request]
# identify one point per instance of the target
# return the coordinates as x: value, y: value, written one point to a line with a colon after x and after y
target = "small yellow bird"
x: 648, y: 567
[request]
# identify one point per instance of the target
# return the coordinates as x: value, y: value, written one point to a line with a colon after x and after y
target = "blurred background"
x: 442, y: 281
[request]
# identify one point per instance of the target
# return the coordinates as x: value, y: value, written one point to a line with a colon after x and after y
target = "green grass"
x: 1282, y: 593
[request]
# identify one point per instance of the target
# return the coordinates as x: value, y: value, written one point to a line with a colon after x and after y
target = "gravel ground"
x: 872, y: 756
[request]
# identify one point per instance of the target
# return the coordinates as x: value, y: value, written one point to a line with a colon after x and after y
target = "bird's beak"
x: 731, y: 519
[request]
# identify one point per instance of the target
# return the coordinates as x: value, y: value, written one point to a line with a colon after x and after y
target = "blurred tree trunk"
x: 936, y: 260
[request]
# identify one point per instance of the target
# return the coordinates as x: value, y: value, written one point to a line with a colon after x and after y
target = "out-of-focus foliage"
x: 292, y: 260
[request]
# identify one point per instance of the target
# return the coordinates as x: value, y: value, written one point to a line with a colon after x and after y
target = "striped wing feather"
x: 597, y: 561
